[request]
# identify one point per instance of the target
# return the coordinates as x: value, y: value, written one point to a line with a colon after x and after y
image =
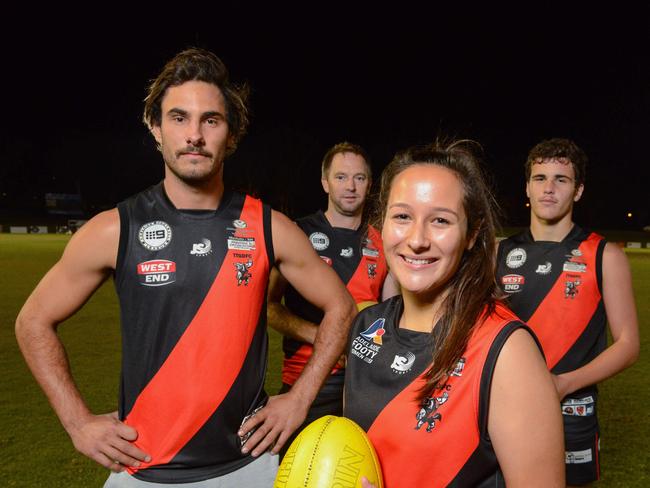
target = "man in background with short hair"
x: 352, y: 248
x: 567, y: 283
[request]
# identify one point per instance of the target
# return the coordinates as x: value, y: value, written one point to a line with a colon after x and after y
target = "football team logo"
x: 571, y: 288
x: 157, y: 272
x: 155, y: 235
x: 319, y: 241
x: 516, y: 258
x: 372, y: 270
x: 243, y: 274
x: 428, y: 413
x: 375, y: 331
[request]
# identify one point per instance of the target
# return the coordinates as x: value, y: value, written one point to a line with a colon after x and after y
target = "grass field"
x: 36, y: 450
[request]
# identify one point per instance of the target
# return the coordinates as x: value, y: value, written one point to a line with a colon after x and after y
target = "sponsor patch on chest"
x: 158, y: 272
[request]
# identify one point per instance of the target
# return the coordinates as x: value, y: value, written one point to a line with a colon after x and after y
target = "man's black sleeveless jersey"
x: 192, y: 288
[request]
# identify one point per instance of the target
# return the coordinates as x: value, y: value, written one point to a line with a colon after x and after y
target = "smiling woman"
x: 432, y: 374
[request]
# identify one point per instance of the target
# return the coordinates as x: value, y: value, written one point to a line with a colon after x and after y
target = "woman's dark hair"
x: 470, y: 295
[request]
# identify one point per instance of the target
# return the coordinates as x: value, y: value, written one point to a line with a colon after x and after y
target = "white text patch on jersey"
x: 157, y: 272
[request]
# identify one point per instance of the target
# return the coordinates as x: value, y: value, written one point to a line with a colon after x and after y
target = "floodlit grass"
x: 37, y: 451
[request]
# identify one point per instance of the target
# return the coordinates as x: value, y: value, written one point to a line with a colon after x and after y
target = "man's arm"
x: 320, y: 285
x: 87, y: 261
x: 281, y: 318
x: 621, y: 315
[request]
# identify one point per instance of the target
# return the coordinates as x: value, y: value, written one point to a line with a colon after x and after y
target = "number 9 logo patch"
x: 155, y: 235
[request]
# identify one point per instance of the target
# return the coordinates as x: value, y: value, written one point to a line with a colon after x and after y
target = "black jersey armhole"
x: 488, y: 373
x: 268, y: 233
x: 123, y: 247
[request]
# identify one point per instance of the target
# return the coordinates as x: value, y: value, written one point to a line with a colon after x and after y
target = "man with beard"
x: 353, y: 249
x: 190, y: 261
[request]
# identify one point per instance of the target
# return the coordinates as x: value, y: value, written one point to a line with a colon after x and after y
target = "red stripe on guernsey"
x: 368, y: 278
x: 361, y: 286
x: 292, y: 366
x: 455, y: 435
x: 559, y: 320
x: 199, y: 371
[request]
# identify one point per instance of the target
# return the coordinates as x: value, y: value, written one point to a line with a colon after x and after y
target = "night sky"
x: 73, y: 100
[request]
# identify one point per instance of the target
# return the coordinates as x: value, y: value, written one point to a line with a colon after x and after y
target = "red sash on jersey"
x: 364, y: 285
x: 559, y: 321
x: 200, y: 370
x: 367, y: 280
x: 441, y: 453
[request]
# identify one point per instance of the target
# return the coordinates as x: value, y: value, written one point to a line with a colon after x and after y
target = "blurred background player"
x: 352, y: 248
x: 566, y: 283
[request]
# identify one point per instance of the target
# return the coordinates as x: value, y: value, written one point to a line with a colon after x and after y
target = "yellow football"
x: 330, y: 452
x: 362, y: 305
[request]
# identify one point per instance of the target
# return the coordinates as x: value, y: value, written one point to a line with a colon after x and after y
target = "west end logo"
x: 157, y: 272
x: 155, y: 235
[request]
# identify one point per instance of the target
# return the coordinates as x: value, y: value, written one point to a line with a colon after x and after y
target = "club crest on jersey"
x: 516, y: 258
x: 571, y: 287
x: 375, y: 331
x: 428, y: 413
x: 348, y: 252
x: 157, y: 272
x: 243, y: 273
x: 319, y: 241
x: 402, y: 363
x: 372, y: 270
x: 544, y: 269
x: 155, y: 235
x: 203, y: 248
x: 512, y: 283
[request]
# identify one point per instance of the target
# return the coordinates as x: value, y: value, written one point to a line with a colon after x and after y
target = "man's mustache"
x: 193, y: 150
